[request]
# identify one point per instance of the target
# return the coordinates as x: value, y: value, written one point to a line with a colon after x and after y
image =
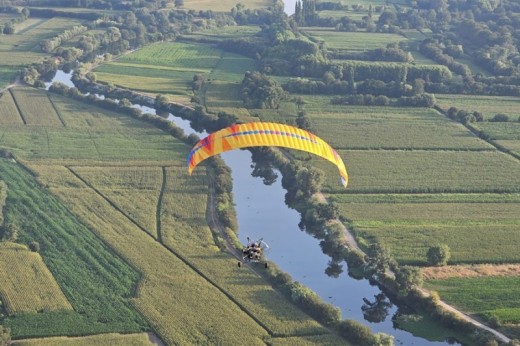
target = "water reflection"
x: 262, y: 213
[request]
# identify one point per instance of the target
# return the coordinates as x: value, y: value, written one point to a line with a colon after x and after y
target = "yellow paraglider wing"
x: 264, y: 134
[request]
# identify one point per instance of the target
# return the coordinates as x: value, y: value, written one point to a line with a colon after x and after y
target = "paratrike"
x: 254, y: 251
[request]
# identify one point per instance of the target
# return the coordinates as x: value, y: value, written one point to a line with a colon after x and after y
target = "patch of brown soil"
x: 471, y: 271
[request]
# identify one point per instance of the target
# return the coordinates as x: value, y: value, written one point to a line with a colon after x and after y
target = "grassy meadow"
x: 33, y: 288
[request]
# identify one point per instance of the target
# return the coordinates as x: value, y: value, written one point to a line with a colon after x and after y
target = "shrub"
x: 438, y: 255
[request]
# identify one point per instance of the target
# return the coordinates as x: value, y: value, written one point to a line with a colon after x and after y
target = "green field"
x: 489, y: 106
x: 168, y: 68
x: 95, y: 281
x: 23, y: 47
x: 500, y: 130
x: 410, y: 224
x: 224, y: 33
x: 487, y: 297
x: 402, y: 171
x: 98, y: 163
x: 358, y: 127
x: 223, y: 5
x: 165, y: 68
x: 89, y: 133
x: 354, y: 15
x: 353, y: 41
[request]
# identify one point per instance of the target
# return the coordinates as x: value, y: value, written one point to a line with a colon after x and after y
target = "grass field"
x: 80, y: 132
x: 402, y: 171
x: 111, y: 339
x: 489, y: 106
x: 226, y: 32
x: 7, y: 75
x: 35, y: 108
x: 487, y: 297
x: 358, y: 127
x: 353, y: 41
x: 26, y: 285
x: 108, y: 170
x: 9, y: 112
x: 165, y: 68
x: 354, y: 15
x: 410, y: 224
x: 223, y: 5
x: 95, y: 281
x: 23, y: 47
x: 500, y: 130
x: 168, y: 68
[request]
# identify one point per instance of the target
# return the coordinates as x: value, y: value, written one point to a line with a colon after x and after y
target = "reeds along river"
x: 262, y: 213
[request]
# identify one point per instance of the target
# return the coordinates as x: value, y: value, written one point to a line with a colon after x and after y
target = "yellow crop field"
x: 33, y: 288
x: 35, y: 107
x: 133, y: 189
x: 185, y: 230
x: 174, y: 298
x: 112, y: 339
x: 8, y: 112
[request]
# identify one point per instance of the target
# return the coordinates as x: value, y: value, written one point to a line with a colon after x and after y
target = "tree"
x: 438, y: 255
x: 179, y: 3
x: 161, y: 102
x: 379, y: 258
x: 34, y: 246
x: 9, y: 232
x: 500, y: 118
x: 407, y: 277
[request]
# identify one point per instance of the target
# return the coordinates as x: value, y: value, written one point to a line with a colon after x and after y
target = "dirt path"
x: 16, y: 82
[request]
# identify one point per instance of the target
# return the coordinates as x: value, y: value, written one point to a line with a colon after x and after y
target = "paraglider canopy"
x: 264, y: 134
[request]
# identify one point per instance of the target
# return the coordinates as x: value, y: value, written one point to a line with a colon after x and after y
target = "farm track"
x: 176, y: 254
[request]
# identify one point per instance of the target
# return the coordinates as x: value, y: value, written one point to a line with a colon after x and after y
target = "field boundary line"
x: 94, y: 143
x: 17, y: 106
x: 48, y: 140
x: 416, y: 149
x: 159, y: 204
x: 35, y: 25
x: 176, y: 254
x: 107, y: 199
x: 476, y: 133
x: 56, y: 110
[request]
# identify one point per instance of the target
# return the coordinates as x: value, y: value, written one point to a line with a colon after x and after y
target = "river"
x: 262, y: 213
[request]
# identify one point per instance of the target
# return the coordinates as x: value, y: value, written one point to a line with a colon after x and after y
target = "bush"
x: 500, y: 118
x: 355, y: 332
x: 438, y: 255
x: 34, y: 246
